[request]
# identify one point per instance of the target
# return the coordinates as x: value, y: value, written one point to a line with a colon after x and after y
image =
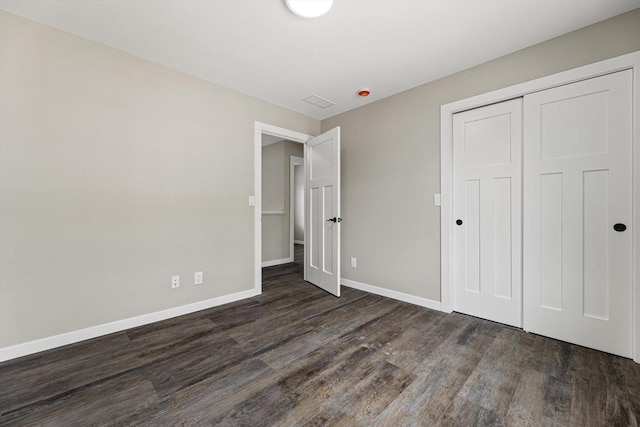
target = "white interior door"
x: 577, y: 187
x: 322, y: 211
x: 487, y: 171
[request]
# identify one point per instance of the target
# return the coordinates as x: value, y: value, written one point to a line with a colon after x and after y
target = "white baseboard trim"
x: 423, y: 302
x: 276, y: 262
x: 299, y: 242
x: 31, y: 347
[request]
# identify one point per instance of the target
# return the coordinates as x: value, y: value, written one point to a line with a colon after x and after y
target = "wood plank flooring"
x: 296, y: 355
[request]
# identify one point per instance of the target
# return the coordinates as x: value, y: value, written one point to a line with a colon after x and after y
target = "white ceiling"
x: 258, y: 47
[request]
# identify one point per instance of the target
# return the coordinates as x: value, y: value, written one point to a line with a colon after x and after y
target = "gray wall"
x: 275, y: 197
x: 391, y: 154
x: 298, y: 204
x: 274, y: 245
x: 297, y: 150
x: 116, y: 173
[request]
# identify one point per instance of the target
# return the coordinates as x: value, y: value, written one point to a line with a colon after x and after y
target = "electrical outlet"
x: 198, y: 278
x: 175, y: 282
x: 354, y: 262
x: 437, y: 201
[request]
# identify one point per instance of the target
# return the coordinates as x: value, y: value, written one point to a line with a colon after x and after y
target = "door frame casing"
x: 629, y: 61
x: 290, y: 135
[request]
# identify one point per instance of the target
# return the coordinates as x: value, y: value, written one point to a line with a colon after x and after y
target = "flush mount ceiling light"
x: 309, y: 8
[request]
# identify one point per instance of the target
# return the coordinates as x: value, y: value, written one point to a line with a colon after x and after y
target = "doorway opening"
x: 279, y: 157
x: 280, y: 161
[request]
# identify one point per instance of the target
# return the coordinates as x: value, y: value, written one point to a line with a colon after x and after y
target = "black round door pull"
x: 459, y: 222
x: 619, y: 227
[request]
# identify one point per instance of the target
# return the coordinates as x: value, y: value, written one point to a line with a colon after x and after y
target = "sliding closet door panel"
x: 577, y: 186
x: 487, y: 204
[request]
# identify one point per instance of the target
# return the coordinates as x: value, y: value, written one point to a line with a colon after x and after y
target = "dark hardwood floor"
x: 298, y: 356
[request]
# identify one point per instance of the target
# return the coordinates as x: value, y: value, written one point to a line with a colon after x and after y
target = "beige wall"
x: 391, y: 154
x: 275, y: 197
x: 116, y: 173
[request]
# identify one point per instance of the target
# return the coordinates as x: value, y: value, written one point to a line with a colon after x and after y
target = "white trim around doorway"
x: 630, y: 61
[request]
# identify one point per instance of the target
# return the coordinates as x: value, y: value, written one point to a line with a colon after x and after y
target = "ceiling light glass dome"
x: 309, y: 8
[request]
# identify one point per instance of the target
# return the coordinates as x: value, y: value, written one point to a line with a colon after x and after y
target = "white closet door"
x: 487, y: 170
x: 577, y: 187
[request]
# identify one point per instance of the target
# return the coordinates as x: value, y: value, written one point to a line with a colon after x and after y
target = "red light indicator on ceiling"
x: 364, y: 92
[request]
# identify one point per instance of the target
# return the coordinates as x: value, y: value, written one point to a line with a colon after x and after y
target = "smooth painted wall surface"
x: 391, y: 156
x: 275, y: 198
x: 274, y: 245
x: 115, y: 174
x: 291, y: 149
x: 273, y: 177
x: 298, y: 203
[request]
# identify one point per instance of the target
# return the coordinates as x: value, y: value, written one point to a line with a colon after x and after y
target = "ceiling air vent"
x: 319, y: 101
